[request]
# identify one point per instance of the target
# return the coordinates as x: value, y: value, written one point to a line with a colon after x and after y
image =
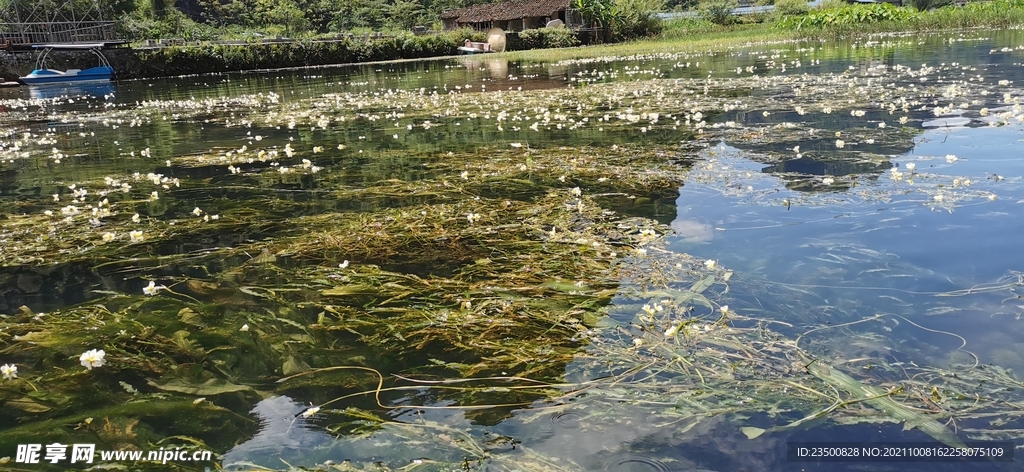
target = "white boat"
x: 43, y: 75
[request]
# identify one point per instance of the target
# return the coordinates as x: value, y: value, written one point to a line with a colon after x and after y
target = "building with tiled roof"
x: 514, y: 15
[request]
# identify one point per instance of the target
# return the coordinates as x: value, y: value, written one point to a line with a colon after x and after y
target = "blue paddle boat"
x: 43, y: 75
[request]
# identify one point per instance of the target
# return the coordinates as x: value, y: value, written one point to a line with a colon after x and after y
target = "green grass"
x: 837, y: 22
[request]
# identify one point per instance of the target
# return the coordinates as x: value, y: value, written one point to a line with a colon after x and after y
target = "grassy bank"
x: 834, y: 21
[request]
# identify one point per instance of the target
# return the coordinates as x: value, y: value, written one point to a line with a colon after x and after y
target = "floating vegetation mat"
x: 351, y: 291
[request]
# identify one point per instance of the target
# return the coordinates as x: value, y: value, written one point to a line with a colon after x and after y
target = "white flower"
x: 828, y: 181
x: 881, y: 124
x: 576, y: 191
x: 151, y: 289
x: 10, y: 371
x: 473, y: 217
x: 796, y: 149
x: 672, y: 330
x: 154, y: 195
x: 135, y: 236
x: 465, y: 175
x: 840, y: 143
x: 310, y: 412
x: 244, y: 328
x: 911, y: 166
x: 951, y: 158
x: 725, y: 309
x: 93, y: 358
x: 136, y: 218
x: 904, y: 120
x: 108, y: 237
x: 710, y: 264
x: 197, y: 211
x: 937, y: 198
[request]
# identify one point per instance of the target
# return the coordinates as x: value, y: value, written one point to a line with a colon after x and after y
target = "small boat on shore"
x: 471, y: 47
x: 43, y: 75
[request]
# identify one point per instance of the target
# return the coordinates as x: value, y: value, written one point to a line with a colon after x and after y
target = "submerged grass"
x: 511, y: 281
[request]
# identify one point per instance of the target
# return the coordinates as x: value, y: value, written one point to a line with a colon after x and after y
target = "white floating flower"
x: 136, y: 236
x: 951, y: 158
x: 710, y: 264
x: 828, y: 181
x: 136, y: 218
x: 9, y: 371
x: 724, y: 309
x: 840, y: 143
x: 244, y: 328
x: 151, y: 289
x: 154, y: 195
x: 343, y: 265
x: 464, y: 175
x: 911, y: 166
x: 881, y: 124
x: 576, y: 191
x: 672, y: 330
x: 108, y: 237
x: 197, y: 211
x: 937, y: 198
x: 93, y: 358
x: 904, y: 120
x: 473, y: 217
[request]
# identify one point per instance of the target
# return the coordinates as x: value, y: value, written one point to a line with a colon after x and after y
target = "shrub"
x: 636, y: 19
x: 791, y: 7
x: 923, y: 5
x: 830, y: 4
x: 544, y: 38
x: 847, y: 15
x: 717, y: 11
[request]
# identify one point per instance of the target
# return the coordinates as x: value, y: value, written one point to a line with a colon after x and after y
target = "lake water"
x: 625, y: 263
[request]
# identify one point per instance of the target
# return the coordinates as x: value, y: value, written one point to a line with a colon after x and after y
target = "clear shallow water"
x: 803, y: 251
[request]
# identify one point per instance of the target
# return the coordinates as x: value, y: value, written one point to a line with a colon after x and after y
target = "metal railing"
x: 57, y: 32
